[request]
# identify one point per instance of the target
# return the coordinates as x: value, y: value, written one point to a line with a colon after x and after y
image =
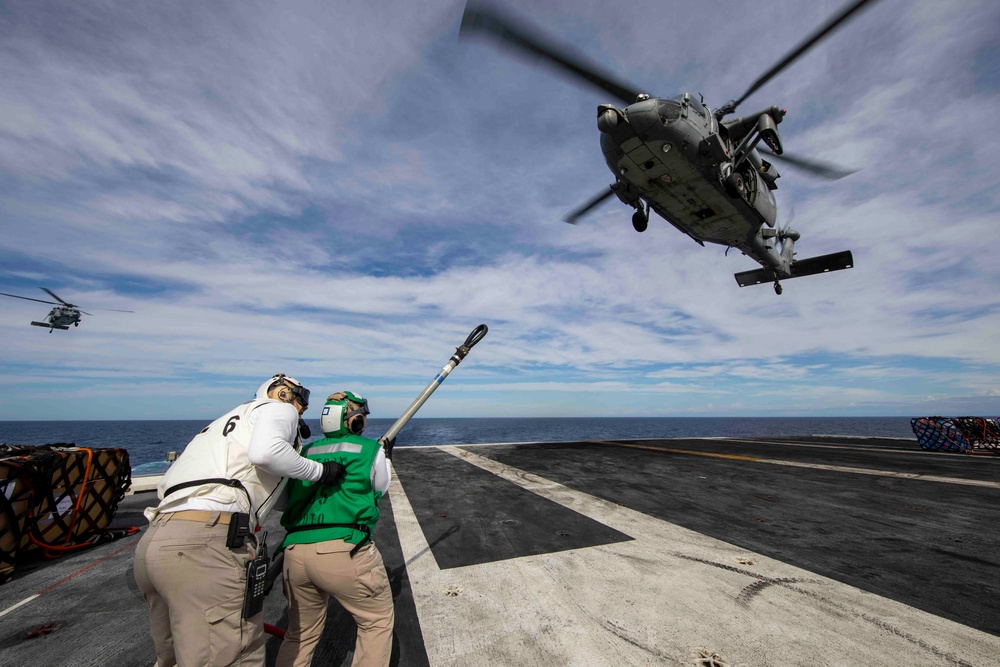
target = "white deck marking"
x: 15, y: 606
x: 854, y: 448
x: 129, y: 545
x: 653, y: 600
x: 815, y: 466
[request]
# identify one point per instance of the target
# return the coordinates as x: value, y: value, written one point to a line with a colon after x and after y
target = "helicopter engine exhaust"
x: 787, y: 238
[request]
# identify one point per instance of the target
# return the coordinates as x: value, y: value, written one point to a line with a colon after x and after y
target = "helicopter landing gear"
x: 777, y: 287
x: 640, y: 221
x: 735, y: 186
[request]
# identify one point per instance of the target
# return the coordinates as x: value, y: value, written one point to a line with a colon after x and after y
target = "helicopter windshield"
x: 669, y: 109
x: 693, y: 104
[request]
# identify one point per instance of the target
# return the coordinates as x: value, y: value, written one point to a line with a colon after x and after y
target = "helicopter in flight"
x: 701, y: 172
x: 64, y: 314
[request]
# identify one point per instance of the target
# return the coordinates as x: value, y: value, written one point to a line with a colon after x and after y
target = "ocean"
x: 149, y: 441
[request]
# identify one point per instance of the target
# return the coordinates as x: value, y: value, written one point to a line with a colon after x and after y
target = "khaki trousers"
x: 314, y: 572
x: 194, y: 586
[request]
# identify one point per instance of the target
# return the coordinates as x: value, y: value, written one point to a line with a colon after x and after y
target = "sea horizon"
x: 149, y: 441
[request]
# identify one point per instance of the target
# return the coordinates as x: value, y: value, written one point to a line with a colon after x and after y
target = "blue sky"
x: 342, y: 191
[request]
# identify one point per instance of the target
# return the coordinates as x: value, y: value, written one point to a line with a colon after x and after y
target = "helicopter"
x: 64, y: 314
x: 704, y: 174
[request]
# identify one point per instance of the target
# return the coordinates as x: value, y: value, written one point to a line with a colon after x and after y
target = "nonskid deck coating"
x: 625, y: 553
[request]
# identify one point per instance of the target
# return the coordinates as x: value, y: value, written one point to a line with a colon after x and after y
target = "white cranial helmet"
x: 295, y: 390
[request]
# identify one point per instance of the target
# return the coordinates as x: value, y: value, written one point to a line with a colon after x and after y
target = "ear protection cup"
x: 344, y: 413
x: 355, y: 423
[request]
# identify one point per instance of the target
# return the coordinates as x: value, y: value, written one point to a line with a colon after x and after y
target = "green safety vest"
x: 353, y: 501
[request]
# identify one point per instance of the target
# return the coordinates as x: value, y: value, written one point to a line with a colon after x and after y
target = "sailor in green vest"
x: 329, y: 549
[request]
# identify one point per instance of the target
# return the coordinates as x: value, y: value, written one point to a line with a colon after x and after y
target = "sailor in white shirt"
x: 191, y: 564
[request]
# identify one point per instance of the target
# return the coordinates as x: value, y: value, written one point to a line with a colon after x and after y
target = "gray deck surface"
x: 786, y: 551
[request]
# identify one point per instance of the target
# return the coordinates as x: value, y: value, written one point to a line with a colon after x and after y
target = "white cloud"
x: 343, y: 195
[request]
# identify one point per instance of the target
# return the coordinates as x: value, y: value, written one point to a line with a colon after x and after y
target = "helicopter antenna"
x: 810, y: 41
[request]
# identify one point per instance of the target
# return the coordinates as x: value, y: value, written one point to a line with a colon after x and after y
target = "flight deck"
x: 690, y: 551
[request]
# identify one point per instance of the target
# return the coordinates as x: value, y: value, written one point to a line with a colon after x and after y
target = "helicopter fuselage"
x: 674, y: 155
x: 695, y: 168
x: 60, y: 317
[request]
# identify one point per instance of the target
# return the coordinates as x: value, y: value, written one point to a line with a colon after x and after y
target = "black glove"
x: 388, y: 445
x: 304, y: 431
x: 333, y: 473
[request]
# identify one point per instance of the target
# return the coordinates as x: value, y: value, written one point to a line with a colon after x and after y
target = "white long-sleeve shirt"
x: 381, y: 472
x: 271, y: 447
x: 271, y: 443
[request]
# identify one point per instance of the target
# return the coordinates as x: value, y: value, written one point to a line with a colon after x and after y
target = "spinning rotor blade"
x: 56, y: 296
x: 822, y: 169
x: 793, y: 55
x: 519, y: 37
x: 116, y: 310
x: 28, y: 298
x: 583, y: 210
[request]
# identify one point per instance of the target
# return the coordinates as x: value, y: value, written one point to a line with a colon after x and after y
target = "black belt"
x: 234, y: 483
x: 360, y: 527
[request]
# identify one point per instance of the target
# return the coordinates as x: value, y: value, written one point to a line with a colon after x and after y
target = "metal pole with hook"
x: 388, y: 440
x: 461, y: 351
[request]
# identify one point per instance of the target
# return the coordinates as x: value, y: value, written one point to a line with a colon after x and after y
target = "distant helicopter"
x: 64, y: 314
x: 676, y: 157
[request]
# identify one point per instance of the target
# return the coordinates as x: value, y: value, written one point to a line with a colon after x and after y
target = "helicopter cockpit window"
x: 692, y: 104
x: 669, y: 110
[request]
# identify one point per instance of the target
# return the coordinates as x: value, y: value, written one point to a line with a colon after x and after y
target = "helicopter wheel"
x: 640, y: 221
x: 777, y: 287
x: 735, y: 186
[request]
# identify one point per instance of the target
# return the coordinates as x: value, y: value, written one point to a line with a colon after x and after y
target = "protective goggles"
x: 300, y: 393
x: 362, y: 409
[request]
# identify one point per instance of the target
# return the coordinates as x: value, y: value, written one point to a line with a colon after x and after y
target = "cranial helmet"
x: 288, y: 390
x: 344, y: 413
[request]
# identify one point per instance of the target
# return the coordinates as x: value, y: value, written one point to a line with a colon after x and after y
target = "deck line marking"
x: 692, y: 602
x: 886, y: 450
x: 814, y: 466
x: 412, y: 541
x: 24, y: 601
x: 68, y: 577
x: 87, y: 567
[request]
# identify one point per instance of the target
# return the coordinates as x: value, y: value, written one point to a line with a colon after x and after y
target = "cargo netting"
x: 958, y: 434
x: 58, y: 498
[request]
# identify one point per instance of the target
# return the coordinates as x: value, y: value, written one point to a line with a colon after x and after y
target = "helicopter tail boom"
x: 803, y: 267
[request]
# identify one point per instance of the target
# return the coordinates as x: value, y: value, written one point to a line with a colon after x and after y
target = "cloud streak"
x: 342, y: 195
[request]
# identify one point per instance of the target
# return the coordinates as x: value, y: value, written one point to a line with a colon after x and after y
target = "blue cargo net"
x: 958, y: 434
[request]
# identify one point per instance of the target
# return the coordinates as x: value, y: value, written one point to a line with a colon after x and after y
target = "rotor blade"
x: 583, y: 210
x: 808, y: 43
x: 822, y: 169
x: 55, y: 296
x: 28, y: 298
x: 116, y: 310
x: 86, y: 313
x: 517, y: 36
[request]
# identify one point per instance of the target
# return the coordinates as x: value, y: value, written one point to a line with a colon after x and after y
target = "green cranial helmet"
x: 345, y: 413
